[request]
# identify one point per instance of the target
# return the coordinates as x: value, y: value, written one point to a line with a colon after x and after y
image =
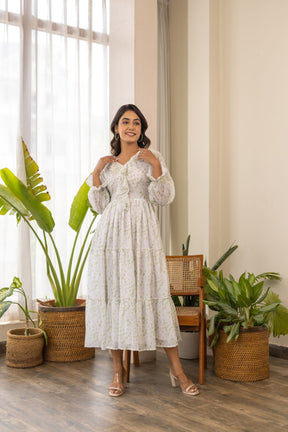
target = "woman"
x: 129, y: 304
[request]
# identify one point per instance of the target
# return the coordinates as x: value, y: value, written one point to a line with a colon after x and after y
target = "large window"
x: 54, y: 93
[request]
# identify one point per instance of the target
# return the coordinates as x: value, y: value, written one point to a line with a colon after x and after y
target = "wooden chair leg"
x: 136, y: 358
x: 205, y: 347
x: 127, y: 358
x: 202, y: 350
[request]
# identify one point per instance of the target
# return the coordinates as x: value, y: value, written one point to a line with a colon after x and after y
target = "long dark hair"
x: 143, y: 142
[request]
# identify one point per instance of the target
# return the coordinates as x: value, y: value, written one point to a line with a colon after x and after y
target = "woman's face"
x: 129, y: 127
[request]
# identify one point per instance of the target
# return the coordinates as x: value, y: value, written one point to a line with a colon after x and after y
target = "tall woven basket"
x: 65, y: 328
x: 246, y: 359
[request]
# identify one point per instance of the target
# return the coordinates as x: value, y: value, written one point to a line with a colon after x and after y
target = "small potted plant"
x: 246, y: 312
x: 24, y: 345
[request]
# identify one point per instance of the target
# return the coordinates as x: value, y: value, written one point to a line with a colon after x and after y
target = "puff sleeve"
x: 99, y: 197
x: 161, y: 190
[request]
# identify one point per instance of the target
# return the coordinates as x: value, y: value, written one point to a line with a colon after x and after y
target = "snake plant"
x: 243, y: 303
x: 26, y: 202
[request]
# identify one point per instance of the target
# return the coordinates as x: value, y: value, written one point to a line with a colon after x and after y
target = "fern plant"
x: 26, y: 202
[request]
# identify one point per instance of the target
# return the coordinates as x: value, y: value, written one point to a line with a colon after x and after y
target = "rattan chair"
x: 185, y: 275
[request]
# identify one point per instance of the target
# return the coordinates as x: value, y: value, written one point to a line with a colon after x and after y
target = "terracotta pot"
x: 246, y: 359
x: 65, y: 329
x: 24, y: 351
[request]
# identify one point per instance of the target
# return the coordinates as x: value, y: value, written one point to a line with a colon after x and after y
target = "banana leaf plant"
x: 16, y: 287
x: 243, y: 304
x: 26, y: 202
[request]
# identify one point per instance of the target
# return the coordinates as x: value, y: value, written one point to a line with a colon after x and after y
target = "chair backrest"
x: 185, y: 274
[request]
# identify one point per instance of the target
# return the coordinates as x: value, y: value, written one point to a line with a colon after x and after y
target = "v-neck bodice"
x: 131, y: 158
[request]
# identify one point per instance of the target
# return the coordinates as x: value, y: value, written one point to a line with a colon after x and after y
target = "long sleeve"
x: 161, y: 190
x: 98, y: 197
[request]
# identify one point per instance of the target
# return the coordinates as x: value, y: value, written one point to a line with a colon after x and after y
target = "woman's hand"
x: 99, y: 167
x: 149, y: 157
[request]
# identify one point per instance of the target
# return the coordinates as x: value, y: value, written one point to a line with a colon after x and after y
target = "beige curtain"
x: 164, y: 108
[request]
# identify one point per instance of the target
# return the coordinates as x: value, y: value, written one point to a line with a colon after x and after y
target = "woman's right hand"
x: 99, y: 167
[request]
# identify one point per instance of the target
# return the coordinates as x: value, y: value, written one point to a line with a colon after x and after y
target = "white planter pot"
x: 188, y: 347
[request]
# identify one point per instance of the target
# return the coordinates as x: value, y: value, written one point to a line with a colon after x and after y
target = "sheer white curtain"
x: 53, y: 84
x: 164, y: 107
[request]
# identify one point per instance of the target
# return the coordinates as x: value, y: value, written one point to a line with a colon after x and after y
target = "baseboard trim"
x: 278, y: 351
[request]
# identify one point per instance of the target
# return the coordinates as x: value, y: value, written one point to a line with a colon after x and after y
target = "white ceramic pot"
x: 189, y: 345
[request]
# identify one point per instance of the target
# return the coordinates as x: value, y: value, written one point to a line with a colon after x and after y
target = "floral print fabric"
x: 128, y: 303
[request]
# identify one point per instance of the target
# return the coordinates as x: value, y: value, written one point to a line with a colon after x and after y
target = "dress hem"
x: 132, y: 349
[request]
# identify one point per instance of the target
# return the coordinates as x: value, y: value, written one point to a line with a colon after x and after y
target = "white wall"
x: 178, y: 29
x: 133, y: 58
x: 246, y: 122
x: 255, y: 68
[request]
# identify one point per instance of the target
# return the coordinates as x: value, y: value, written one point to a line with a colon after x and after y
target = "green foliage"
x: 36, y: 209
x: 27, y: 203
x: 16, y: 287
x: 33, y: 178
x: 185, y: 250
x: 193, y: 300
x: 223, y: 258
x: 242, y: 304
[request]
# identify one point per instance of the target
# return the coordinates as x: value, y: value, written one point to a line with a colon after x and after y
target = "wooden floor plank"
x: 73, y: 397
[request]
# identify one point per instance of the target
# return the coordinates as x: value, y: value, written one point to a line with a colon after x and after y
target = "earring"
x: 141, y: 138
x: 116, y: 136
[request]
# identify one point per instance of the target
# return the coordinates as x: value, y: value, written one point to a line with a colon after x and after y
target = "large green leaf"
x: 269, y: 307
x: 8, y: 291
x: 5, y: 292
x: 277, y: 319
x: 5, y: 207
x: 212, y: 323
x: 79, y: 207
x: 257, y: 291
x: 3, y: 307
x: 224, y: 257
x: 10, y: 203
x: 269, y: 275
x: 33, y: 177
x: 40, y: 213
x: 234, y: 332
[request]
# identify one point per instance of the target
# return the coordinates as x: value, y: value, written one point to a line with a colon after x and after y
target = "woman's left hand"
x: 149, y: 157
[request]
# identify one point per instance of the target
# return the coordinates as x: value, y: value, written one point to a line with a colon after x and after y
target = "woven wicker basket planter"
x: 246, y: 359
x: 24, y: 351
x: 65, y: 328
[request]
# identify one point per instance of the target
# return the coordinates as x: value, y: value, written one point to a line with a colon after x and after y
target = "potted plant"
x: 24, y: 346
x: 246, y: 312
x: 189, y: 344
x: 26, y: 201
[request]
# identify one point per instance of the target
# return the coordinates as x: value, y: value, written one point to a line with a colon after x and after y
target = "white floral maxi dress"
x: 128, y: 303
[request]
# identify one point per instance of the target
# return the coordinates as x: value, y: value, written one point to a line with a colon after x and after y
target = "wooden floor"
x: 73, y: 397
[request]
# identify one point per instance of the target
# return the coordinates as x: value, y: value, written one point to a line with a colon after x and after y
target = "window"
x: 54, y: 93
